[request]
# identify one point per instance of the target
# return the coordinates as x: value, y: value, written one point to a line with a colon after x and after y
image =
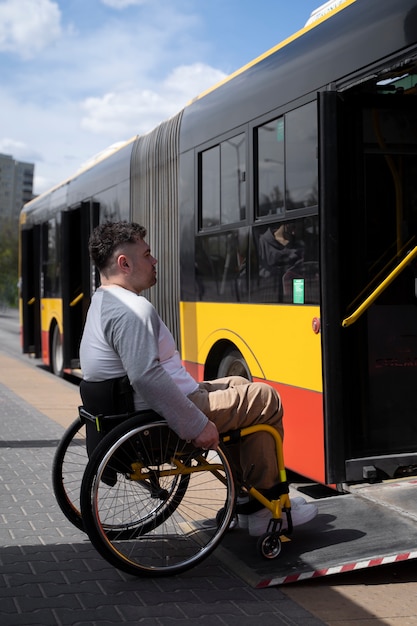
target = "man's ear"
x: 123, y: 263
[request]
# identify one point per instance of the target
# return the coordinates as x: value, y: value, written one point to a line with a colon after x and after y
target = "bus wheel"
x: 233, y: 364
x: 57, y: 353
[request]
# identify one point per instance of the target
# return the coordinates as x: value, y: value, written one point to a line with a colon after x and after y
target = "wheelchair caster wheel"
x: 269, y: 545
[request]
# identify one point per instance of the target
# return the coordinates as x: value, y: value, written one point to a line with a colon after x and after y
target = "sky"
x: 77, y: 76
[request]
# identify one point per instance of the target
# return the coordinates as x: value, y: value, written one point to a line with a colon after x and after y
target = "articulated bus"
x: 282, y: 208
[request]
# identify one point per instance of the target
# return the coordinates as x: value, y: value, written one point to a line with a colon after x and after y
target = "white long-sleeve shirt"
x: 123, y: 334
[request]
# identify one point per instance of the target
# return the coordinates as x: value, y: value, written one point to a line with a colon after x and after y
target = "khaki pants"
x: 233, y: 403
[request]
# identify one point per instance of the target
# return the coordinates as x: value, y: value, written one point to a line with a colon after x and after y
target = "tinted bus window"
x: 220, y: 268
x: 301, y: 169
x: 114, y: 203
x: 51, y: 254
x: 223, y: 183
x: 210, y: 187
x: 233, y: 178
x: 284, y: 262
x: 270, y: 168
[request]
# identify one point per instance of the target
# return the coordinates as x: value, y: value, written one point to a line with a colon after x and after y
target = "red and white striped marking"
x: 338, y: 569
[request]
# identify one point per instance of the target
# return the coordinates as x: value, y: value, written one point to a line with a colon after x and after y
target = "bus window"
x: 284, y: 262
x: 114, y: 205
x: 51, y: 258
x: 270, y: 168
x: 301, y: 170
x: 223, y: 183
x: 210, y: 187
x: 286, y: 175
x: 233, y: 178
x: 221, y: 266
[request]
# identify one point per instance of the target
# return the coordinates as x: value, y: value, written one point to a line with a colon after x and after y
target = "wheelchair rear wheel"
x: 162, y: 495
x: 68, y: 467
x: 69, y: 463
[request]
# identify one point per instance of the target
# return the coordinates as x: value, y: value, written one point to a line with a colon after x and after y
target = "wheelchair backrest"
x: 113, y: 397
x: 108, y: 397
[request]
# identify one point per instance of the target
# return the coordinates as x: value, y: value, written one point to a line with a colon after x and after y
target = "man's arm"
x: 134, y: 335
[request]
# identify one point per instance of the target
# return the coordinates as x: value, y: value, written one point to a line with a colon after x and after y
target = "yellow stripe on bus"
x: 277, y: 341
x: 51, y: 310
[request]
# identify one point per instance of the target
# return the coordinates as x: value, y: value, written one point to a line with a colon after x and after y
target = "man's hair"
x: 108, y: 237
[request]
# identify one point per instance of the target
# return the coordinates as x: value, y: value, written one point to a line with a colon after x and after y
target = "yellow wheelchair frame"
x: 164, y: 480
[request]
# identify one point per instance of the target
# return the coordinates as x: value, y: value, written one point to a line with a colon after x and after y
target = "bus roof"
x: 90, y: 163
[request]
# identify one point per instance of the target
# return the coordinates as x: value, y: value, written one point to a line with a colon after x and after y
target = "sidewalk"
x: 49, y: 573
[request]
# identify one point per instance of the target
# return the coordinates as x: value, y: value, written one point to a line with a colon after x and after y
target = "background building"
x: 16, y: 185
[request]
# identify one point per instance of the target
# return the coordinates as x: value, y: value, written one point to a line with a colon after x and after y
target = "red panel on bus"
x: 303, y: 431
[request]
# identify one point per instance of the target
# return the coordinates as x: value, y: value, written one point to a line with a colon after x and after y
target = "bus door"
x: 31, y: 291
x: 369, y: 283
x: 78, y: 276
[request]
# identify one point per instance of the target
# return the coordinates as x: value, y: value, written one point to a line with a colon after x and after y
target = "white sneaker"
x: 243, y: 520
x: 297, y: 501
x: 301, y: 513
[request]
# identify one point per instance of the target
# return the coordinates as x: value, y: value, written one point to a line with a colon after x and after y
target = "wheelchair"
x: 69, y: 463
x: 151, y: 503
x: 72, y: 454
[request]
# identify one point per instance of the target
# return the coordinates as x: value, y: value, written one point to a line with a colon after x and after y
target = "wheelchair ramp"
x: 374, y: 525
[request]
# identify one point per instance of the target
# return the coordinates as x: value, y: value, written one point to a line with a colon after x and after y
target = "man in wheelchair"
x: 124, y: 335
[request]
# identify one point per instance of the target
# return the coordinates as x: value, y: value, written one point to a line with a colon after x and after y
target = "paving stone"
x: 50, y: 574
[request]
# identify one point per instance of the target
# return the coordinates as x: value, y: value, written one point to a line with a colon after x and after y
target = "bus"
x: 282, y: 207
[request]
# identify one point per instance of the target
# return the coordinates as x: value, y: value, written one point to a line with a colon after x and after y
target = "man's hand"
x: 208, y: 439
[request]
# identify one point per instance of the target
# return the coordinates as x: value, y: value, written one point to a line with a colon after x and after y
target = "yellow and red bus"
x: 282, y: 208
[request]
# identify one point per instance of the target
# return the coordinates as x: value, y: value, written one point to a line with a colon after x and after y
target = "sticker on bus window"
x: 298, y: 291
x: 280, y: 130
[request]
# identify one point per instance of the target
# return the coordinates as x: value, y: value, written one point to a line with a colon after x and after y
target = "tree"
x: 9, y: 255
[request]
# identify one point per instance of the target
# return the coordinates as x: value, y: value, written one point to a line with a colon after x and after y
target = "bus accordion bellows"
x: 282, y: 207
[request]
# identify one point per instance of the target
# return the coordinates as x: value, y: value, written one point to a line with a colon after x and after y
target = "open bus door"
x: 368, y: 255
x: 31, y: 290
x: 368, y: 163
x: 77, y: 276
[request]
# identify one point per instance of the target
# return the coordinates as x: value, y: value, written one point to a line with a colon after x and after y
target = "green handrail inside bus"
x: 77, y: 299
x: 381, y: 287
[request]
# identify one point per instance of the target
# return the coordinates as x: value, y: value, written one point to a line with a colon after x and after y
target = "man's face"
x: 142, y: 264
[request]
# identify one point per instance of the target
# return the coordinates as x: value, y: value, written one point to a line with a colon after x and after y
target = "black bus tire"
x: 233, y: 364
x: 57, y: 353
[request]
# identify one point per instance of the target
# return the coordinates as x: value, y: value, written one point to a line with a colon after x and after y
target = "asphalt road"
x: 9, y: 332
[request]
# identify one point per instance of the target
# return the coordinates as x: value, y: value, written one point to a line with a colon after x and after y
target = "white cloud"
x: 48, y: 136
x: 135, y: 111
x: 193, y: 79
x: 18, y: 150
x: 28, y: 26
x: 92, y: 87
